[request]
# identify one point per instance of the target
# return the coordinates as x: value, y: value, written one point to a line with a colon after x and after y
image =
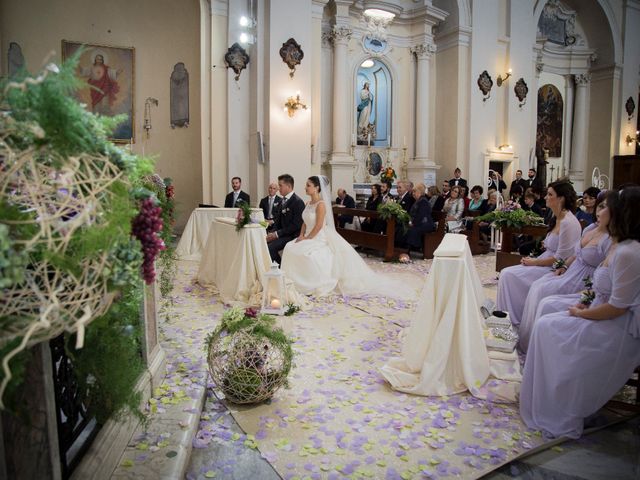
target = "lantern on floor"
x: 273, y: 291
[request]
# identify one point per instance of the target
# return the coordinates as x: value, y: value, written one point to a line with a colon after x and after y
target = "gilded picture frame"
x: 109, y: 74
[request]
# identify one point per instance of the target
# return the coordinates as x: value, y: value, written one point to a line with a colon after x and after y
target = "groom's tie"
x: 270, y: 212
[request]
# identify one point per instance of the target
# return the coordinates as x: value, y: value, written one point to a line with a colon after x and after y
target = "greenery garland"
x: 244, y: 215
x: 392, y: 209
x: 511, y: 217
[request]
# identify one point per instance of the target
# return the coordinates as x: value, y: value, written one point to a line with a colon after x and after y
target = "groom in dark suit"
x: 288, y: 218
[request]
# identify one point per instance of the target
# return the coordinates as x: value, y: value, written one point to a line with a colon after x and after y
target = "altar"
x: 196, y: 231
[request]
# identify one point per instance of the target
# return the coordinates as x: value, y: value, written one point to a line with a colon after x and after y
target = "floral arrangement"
x: 292, y: 309
x: 558, y: 264
x: 511, y: 215
x: 393, y: 209
x: 588, y: 295
x: 388, y: 174
x: 244, y: 215
x: 249, y: 357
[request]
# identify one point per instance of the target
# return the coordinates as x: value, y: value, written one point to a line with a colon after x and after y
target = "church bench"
x: 383, y: 242
x: 504, y: 257
x: 477, y: 246
x: 430, y: 241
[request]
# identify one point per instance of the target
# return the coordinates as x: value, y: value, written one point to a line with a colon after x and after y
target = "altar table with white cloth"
x: 196, y: 232
x: 443, y: 349
x: 234, y: 261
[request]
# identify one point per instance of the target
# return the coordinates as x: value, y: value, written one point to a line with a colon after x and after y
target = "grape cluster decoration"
x: 145, y: 227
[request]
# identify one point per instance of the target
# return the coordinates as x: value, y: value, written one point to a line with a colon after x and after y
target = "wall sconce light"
x: 501, y: 80
x: 294, y: 104
x: 505, y: 146
x: 630, y: 140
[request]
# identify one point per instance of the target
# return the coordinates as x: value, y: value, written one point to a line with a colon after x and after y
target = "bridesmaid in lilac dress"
x: 578, y: 359
x: 591, y: 250
x: 564, y: 233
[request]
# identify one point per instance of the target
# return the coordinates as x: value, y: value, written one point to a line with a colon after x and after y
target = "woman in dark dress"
x: 421, y: 220
x: 368, y: 225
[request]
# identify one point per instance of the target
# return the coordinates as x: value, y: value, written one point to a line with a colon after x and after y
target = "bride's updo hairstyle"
x: 316, y: 182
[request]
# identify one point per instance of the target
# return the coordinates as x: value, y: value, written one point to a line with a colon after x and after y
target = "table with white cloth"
x: 444, y: 350
x: 196, y: 231
x: 234, y: 261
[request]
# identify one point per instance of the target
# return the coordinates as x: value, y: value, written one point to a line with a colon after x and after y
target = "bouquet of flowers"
x: 388, y: 174
x: 558, y: 264
x: 244, y: 215
x: 393, y: 209
x: 511, y: 215
x: 588, y: 295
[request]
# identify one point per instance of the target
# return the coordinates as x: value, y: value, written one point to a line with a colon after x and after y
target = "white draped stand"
x: 196, y: 232
x: 443, y: 349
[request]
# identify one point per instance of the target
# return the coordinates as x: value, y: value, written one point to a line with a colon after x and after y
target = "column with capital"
x: 580, y: 141
x: 568, y: 126
x: 422, y: 167
x: 341, y: 164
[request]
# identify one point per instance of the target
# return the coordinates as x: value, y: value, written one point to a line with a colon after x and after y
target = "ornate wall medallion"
x: 521, y: 91
x: 630, y: 107
x: 485, y: 83
x: 292, y: 54
x: 237, y: 59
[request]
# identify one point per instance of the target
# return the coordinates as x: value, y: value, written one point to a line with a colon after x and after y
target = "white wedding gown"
x: 328, y: 264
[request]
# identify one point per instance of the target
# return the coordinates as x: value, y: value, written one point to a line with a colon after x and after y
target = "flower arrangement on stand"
x: 511, y: 215
x: 249, y: 357
x: 388, y: 174
x: 395, y: 210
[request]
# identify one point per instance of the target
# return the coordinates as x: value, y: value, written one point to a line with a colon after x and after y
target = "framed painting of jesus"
x: 108, y: 73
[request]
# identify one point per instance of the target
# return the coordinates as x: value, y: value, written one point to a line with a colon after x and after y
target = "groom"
x: 288, y: 218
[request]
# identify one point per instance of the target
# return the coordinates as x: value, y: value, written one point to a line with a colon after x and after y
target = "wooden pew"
x: 505, y: 258
x: 430, y: 241
x: 474, y: 235
x: 378, y: 241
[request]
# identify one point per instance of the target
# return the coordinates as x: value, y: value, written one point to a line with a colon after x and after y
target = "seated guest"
x: 578, y: 359
x: 432, y: 194
x: 288, y: 218
x: 453, y: 209
x: 236, y: 195
x: 439, y: 203
x: 270, y: 203
x: 531, y: 205
x: 345, y: 200
x: 385, y: 192
x: 421, y: 220
x: 477, y: 203
x: 405, y: 197
x: 515, y: 195
x: 563, y: 234
x: 587, y: 212
x: 368, y: 224
x: 465, y: 197
x: 495, y: 181
x: 540, y: 197
x: 485, y: 227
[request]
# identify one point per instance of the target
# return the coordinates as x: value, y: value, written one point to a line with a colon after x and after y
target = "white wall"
x: 163, y: 33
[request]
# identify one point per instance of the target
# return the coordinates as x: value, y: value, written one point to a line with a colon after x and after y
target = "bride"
x: 320, y: 261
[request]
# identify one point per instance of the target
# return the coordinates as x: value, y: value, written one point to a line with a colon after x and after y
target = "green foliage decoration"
x: 392, y: 209
x: 515, y: 218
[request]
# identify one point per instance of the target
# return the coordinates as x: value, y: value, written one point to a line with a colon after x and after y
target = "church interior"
x: 218, y: 104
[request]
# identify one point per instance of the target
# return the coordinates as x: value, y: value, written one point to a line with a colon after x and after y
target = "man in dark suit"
x: 236, y: 195
x: 519, y: 181
x: 496, y: 182
x: 270, y: 204
x: 457, y: 179
x: 534, y: 181
x: 345, y: 200
x: 288, y: 218
x: 405, y: 198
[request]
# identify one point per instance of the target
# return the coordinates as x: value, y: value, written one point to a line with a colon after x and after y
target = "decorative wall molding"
x: 582, y: 79
x: 341, y: 35
x: 219, y: 8
x: 458, y: 37
x: 423, y: 51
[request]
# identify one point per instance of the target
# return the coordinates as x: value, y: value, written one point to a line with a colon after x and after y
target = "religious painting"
x: 108, y: 73
x: 375, y: 164
x: 485, y: 83
x: 373, y: 104
x: 236, y: 59
x: 550, y: 110
x: 291, y: 54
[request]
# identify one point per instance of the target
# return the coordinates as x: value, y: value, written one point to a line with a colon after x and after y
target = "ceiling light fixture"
x: 368, y: 63
x: 377, y: 13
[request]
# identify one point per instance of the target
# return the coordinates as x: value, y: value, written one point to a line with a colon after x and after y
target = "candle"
x: 404, y: 141
x: 275, y: 303
x: 389, y: 139
x: 369, y: 139
x: 353, y: 139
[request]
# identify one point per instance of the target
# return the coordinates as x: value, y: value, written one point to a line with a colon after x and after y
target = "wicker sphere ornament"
x: 249, y: 358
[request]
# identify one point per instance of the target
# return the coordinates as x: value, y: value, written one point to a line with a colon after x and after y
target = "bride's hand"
x: 299, y: 239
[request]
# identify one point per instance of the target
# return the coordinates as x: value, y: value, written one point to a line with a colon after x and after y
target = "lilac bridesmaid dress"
x: 574, y: 366
x: 515, y: 281
x: 586, y: 261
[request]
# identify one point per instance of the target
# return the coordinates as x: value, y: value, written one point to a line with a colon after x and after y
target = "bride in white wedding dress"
x: 320, y: 262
